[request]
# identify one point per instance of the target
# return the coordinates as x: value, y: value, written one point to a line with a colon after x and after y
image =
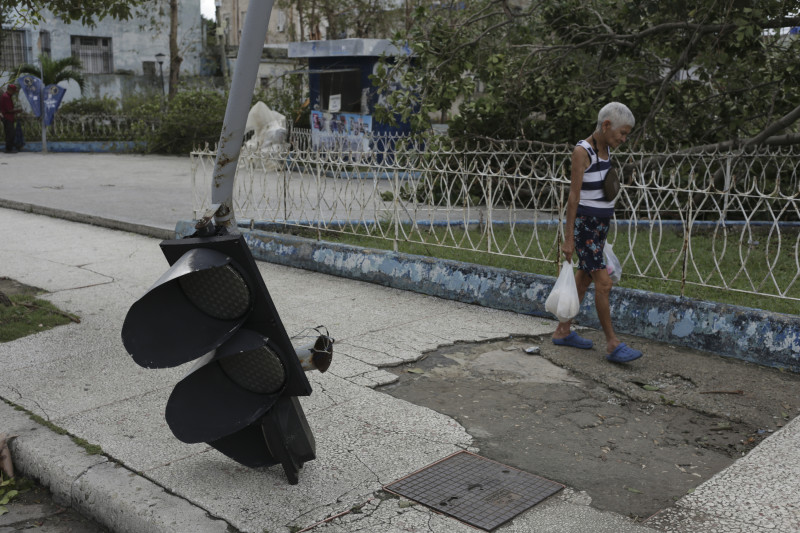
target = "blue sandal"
x: 623, y: 354
x: 574, y: 340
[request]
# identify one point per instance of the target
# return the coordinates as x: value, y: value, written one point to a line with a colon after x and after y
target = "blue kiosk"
x: 342, y: 97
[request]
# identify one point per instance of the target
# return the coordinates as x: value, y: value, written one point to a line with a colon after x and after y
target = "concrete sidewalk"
x: 80, y: 378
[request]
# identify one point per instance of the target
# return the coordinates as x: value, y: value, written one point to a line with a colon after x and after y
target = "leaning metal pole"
x: 230, y: 140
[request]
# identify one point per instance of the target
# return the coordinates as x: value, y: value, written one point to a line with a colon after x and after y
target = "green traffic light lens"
x: 220, y: 292
x: 260, y: 371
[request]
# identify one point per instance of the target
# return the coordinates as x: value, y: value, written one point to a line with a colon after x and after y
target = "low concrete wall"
x: 753, y: 335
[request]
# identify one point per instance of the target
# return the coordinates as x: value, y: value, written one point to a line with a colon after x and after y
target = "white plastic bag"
x: 612, y: 263
x: 563, y: 300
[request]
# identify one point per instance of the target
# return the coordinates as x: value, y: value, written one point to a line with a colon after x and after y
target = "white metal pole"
x: 243, y: 83
x: 41, y: 106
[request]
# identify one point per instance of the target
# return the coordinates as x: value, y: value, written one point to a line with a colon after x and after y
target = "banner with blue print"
x: 52, y: 99
x: 51, y: 96
x: 32, y: 88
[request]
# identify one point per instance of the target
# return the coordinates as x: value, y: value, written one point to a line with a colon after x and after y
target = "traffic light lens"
x: 260, y: 371
x: 220, y: 292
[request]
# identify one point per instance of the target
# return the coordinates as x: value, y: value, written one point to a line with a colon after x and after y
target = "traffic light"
x: 241, y: 394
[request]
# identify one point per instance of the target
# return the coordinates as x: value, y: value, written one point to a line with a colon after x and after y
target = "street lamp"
x: 160, y: 58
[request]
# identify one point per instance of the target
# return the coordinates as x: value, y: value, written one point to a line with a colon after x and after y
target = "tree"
x: 56, y: 70
x: 154, y: 12
x: 175, y: 58
x: 348, y: 18
x: 694, y: 73
x: 87, y: 12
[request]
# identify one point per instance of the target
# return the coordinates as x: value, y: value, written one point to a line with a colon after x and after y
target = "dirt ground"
x: 10, y: 287
x: 635, y: 437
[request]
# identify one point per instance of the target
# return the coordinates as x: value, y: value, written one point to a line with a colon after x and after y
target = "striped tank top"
x: 593, y: 201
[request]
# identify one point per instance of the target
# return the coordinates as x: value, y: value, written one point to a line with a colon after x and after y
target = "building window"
x: 343, y: 82
x: 44, y: 42
x: 12, y: 49
x: 149, y: 69
x: 94, y: 53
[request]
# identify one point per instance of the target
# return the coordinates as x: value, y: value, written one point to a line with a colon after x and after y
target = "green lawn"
x: 656, y: 263
x: 27, y: 315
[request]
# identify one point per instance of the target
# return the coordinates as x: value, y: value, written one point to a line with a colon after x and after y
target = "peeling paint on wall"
x: 762, y: 337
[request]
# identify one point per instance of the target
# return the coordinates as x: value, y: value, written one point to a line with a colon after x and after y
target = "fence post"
x: 286, y: 170
x: 726, y: 191
x: 318, y: 178
x: 489, y: 203
x: 687, y: 232
x: 396, y: 209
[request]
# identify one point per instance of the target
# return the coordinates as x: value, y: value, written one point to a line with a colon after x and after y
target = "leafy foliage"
x: 87, y: 12
x: 693, y: 73
x: 55, y: 70
x: 90, y: 106
x: 10, y: 488
x: 343, y: 18
x: 191, y: 119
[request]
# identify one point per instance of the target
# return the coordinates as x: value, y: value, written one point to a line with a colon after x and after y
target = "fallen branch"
x: 722, y: 392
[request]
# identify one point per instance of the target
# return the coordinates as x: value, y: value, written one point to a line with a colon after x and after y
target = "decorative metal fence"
x: 727, y: 220
x: 99, y: 127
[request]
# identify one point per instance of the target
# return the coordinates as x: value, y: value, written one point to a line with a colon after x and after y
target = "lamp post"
x: 160, y: 58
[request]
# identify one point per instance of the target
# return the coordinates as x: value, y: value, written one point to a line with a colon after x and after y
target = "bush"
x: 193, y: 118
x: 90, y: 106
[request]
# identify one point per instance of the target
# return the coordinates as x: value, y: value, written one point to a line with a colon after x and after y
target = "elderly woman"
x: 589, y: 215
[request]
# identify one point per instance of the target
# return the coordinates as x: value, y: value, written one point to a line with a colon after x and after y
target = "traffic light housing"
x: 241, y: 394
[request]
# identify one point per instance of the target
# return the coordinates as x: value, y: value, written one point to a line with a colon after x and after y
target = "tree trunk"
x: 175, y: 58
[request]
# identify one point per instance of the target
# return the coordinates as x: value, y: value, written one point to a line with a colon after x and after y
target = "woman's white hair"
x: 617, y: 113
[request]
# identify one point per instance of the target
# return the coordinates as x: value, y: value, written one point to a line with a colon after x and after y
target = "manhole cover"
x: 475, y: 490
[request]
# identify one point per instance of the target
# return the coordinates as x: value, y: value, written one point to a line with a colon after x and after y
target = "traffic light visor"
x: 191, y: 310
x: 227, y: 390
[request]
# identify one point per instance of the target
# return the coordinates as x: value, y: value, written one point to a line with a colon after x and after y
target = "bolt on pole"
x: 243, y: 83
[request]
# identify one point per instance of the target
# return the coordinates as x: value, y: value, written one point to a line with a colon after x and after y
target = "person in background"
x: 9, y: 114
x: 588, y: 219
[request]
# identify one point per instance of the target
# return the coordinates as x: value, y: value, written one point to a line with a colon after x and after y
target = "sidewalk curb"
x: 97, y: 487
x: 141, y: 229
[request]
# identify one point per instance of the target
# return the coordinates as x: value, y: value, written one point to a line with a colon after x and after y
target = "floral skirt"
x: 590, y: 238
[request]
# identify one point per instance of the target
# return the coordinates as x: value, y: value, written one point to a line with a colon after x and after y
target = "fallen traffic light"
x: 241, y: 395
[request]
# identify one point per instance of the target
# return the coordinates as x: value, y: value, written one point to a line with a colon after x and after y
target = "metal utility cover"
x: 475, y: 490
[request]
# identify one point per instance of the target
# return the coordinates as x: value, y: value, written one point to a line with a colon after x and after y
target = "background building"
x: 119, y: 57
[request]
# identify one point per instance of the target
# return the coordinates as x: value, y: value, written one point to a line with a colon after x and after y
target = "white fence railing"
x: 728, y: 220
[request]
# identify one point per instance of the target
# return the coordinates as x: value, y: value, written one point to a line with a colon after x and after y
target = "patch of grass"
x: 716, y: 256
x: 28, y: 315
x: 91, y: 449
